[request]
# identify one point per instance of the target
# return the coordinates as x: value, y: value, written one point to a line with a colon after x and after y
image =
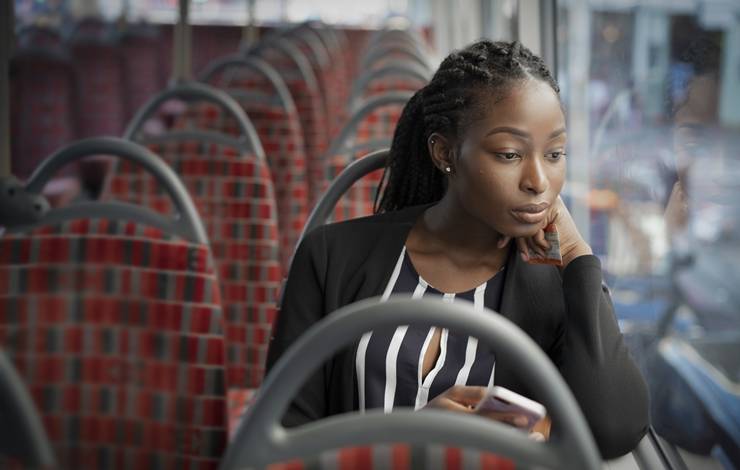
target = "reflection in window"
x: 664, y: 204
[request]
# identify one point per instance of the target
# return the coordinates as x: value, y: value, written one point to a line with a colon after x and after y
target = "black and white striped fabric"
x: 388, y: 363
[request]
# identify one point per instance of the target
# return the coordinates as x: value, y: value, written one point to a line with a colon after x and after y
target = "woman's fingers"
x: 466, y: 395
x: 534, y: 248
x: 452, y: 405
x: 464, y: 399
x: 531, y: 248
x: 503, y: 241
x: 521, y: 245
x: 537, y: 436
x: 459, y: 398
x: 541, y: 241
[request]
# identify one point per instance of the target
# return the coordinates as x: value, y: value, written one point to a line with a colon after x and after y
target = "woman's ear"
x: 441, y: 152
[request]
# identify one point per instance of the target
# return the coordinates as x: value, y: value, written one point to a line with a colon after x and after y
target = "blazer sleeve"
x: 596, y: 363
x: 302, y: 305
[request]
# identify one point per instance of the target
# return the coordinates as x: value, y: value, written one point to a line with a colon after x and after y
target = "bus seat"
x: 42, y: 102
x: 371, y: 128
x: 381, y: 55
x: 263, y: 95
x: 233, y: 192
x: 231, y: 185
x: 355, y: 41
x: 261, y: 440
x: 98, y: 65
x: 344, y: 179
x: 296, y: 71
x: 142, y: 52
x: 111, y: 313
x: 405, y: 38
x: 99, y: 78
x: 308, y: 41
x: 340, y: 78
x: 395, y: 76
x: 193, y: 106
x: 399, y: 456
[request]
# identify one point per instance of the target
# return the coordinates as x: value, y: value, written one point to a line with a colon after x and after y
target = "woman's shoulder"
x: 370, y: 226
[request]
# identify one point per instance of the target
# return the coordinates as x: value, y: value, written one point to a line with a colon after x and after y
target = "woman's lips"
x: 531, y: 213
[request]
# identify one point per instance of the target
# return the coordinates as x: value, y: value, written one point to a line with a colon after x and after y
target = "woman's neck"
x: 447, y: 227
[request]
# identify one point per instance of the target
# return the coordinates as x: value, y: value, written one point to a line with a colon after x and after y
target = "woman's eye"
x: 507, y: 155
x: 555, y: 155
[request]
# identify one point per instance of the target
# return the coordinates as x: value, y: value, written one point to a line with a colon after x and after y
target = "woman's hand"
x: 572, y: 245
x: 464, y: 399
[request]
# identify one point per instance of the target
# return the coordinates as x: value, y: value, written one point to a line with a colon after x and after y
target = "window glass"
x: 266, y: 11
x: 661, y: 139
x: 369, y: 13
x: 51, y: 12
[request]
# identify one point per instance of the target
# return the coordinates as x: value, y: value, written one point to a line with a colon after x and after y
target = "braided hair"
x: 444, y: 106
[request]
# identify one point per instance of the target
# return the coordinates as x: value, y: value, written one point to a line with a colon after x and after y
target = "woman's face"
x: 510, y: 165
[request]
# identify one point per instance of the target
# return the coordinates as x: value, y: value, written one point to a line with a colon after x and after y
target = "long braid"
x: 410, y: 177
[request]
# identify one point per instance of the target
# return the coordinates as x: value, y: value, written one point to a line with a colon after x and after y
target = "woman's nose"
x: 534, y: 179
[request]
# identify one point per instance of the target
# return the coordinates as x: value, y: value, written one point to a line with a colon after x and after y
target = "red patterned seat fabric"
x: 314, y: 123
x: 206, y: 116
x: 141, y: 60
x: 379, y: 124
x: 332, y: 100
x: 100, y: 87
x: 41, y: 111
x: 279, y: 131
x: 116, y: 329
x: 392, y: 56
x: 282, y: 140
x: 340, y: 89
x: 233, y: 194
x: 399, y: 457
x: 359, y: 200
x: 373, y: 132
x: 391, y: 83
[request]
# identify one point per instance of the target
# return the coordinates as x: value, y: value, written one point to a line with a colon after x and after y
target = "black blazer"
x: 570, y: 317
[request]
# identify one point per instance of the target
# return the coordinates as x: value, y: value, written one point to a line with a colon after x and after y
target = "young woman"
x: 474, y: 176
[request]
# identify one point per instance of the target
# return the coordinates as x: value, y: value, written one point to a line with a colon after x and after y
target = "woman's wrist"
x: 579, y: 249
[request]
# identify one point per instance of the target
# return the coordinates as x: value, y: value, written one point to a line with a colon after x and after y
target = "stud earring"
x: 448, y: 169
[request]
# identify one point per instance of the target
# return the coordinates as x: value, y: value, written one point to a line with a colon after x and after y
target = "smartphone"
x: 503, y: 400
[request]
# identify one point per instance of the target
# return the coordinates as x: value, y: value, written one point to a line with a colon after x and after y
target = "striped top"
x: 388, y: 362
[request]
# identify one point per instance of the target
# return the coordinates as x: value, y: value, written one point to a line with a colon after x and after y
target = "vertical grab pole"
x: 578, y: 66
x: 181, y: 68
x: 7, y: 17
x: 249, y: 32
x: 177, y: 50
x: 187, y: 40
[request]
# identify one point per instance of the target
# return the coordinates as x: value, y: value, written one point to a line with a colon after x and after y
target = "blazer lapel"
x: 384, y: 254
x: 514, y: 301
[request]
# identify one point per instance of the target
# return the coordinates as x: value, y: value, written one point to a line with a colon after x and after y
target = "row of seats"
x: 85, y: 80
x: 135, y: 321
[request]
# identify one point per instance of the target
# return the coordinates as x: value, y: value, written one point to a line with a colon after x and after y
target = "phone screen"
x: 512, y: 403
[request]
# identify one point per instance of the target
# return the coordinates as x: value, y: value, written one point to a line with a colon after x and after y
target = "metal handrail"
x: 341, y: 184
x: 256, y: 64
x: 198, y: 91
x: 396, y: 97
x: 186, y: 222
x: 381, y: 52
x: 262, y: 439
x: 7, y: 16
x: 20, y: 417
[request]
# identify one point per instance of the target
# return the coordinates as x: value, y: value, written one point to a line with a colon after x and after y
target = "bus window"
x: 653, y: 98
